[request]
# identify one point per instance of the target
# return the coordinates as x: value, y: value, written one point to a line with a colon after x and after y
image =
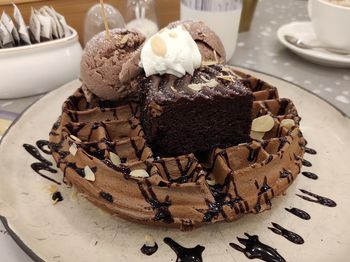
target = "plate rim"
x: 344, y: 62
x: 28, y: 250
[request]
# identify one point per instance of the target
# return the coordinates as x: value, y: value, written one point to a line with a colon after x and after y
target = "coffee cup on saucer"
x: 331, y: 20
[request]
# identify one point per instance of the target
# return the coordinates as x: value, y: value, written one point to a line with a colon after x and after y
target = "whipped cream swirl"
x: 170, y: 51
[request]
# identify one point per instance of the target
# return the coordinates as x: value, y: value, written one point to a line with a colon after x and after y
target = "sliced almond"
x: 89, y: 174
x: 263, y: 123
x: 114, y: 158
x: 173, y: 34
x: 149, y: 241
x: 211, y: 83
x: 139, y: 173
x: 73, y: 149
x: 227, y: 78
x: 211, y: 182
x: 158, y: 45
x: 124, y: 39
x: 197, y: 87
x: 173, y: 88
x: 208, y: 62
x: 215, y: 56
x: 54, y: 202
x: 204, y: 78
x: 257, y: 135
x: 287, y: 123
x: 76, y: 139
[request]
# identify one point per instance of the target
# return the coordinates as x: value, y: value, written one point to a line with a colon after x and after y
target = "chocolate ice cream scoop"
x: 102, y: 62
x: 209, y: 45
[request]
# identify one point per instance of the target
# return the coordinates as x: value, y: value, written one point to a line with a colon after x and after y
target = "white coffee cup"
x: 331, y: 23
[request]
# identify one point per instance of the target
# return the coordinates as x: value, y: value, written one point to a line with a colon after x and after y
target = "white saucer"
x: 305, y: 32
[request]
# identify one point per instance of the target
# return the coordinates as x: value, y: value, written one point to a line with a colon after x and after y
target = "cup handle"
x: 309, y: 8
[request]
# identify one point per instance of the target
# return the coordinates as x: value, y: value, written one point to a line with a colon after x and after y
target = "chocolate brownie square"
x: 195, y: 113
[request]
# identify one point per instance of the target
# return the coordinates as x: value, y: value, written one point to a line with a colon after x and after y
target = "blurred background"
x: 76, y: 10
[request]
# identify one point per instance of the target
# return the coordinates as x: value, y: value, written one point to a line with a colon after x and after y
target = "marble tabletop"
x: 258, y: 50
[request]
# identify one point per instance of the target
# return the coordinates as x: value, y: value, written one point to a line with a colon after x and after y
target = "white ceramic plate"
x: 305, y: 32
x: 78, y: 231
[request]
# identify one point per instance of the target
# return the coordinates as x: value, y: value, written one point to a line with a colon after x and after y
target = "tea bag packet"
x: 34, y: 26
x: 6, y: 37
x: 21, y: 26
x: 58, y: 30
x: 63, y: 23
x: 45, y: 27
x: 60, y: 26
x: 8, y: 23
x: 54, y: 32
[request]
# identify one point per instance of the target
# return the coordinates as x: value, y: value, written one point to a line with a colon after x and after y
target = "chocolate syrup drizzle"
x: 44, y: 164
x: 310, y: 175
x: 223, y: 198
x: 106, y: 196
x: 253, y: 153
x: 286, y: 174
x: 78, y: 170
x: 57, y: 196
x: 306, y: 163
x: 253, y: 248
x: 185, y: 254
x: 161, y: 208
x: 291, y: 236
x: 41, y: 144
x: 149, y: 250
x: 317, y: 198
x: 38, y: 166
x: 299, y: 213
x: 36, y: 154
x: 310, y: 151
x: 263, y: 192
x: 185, y: 174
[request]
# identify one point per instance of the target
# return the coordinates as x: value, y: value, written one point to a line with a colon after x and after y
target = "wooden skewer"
x: 108, y: 35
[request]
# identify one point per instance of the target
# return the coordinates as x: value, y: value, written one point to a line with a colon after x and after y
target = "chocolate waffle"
x: 101, y: 149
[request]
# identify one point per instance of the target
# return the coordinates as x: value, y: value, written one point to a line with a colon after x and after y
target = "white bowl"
x: 39, y: 68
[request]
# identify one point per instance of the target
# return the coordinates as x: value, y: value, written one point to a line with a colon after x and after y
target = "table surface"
x: 258, y: 50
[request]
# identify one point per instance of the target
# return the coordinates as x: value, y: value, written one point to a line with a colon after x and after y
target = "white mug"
x: 331, y: 23
x: 222, y: 17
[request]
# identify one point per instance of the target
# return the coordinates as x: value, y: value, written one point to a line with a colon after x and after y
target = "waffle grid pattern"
x: 180, y: 191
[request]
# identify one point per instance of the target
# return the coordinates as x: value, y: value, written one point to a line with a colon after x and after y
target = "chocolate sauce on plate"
x: 306, y: 163
x: 57, y: 196
x: 317, y: 199
x: 253, y: 248
x: 44, y: 164
x: 291, y: 236
x: 41, y: 144
x: 36, y: 154
x: 310, y: 175
x: 38, y: 166
x: 299, y: 213
x: 310, y: 151
x: 149, y: 250
x: 185, y: 254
